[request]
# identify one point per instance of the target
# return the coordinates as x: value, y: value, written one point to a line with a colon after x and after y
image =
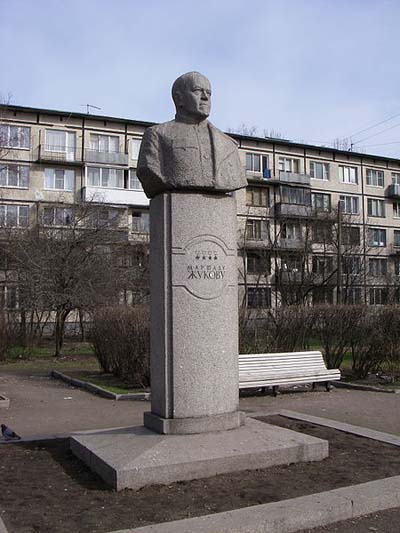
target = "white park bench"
x: 292, y: 368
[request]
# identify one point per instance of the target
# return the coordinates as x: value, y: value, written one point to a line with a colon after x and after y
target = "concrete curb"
x: 291, y: 515
x: 3, y: 528
x: 99, y: 390
x: 388, y: 438
x: 355, y: 386
x: 4, y: 404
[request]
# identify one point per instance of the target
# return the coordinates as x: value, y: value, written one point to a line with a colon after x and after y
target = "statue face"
x: 196, y: 99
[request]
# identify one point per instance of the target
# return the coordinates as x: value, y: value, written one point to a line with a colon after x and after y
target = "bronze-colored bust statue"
x: 189, y: 153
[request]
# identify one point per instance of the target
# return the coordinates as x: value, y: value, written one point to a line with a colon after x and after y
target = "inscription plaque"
x: 203, y: 267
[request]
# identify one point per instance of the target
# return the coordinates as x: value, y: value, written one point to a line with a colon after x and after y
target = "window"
x: 322, y: 264
x: 140, y: 222
x: 319, y: 171
x: 351, y: 236
x: 14, y: 215
x: 396, y: 178
x: 135, y: 148
x: 375, y: 177
x: 375, y: 208
x: 258, y: 262
x: 60, y: 141
x: 288, y: 164
x: 352, y: 296
x: 255, y: 229
x: 105, y: 177
x: 396, y: 238
x: 9, y: 297
x: 291, y: 231
x: 15, y: 136
x: 258, y: 297
x: 104, y: 143
x: 320, y: 201
x: 292, y: 263
x: 322, y: 232
x: 107, y: 217
x: 377, y: 267
x: 295, y: 195
x: 57, y: 216
x: 59, y: 179
x: 348, y: 174
x: 397, y: 266
x: 14, y: 176
x: 257, y: 196
x: 377, y: 237
x: 350, y: 205
x: 256, y: 163
x: 134, y: 183
x: 322, y: 295
x: 396, y: 209
x: 378, y: 296
x: 351, y: 265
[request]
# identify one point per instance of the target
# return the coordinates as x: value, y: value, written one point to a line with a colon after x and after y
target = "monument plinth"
x: 194, y: 313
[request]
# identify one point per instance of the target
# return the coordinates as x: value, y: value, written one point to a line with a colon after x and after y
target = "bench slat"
x: 286, y: 368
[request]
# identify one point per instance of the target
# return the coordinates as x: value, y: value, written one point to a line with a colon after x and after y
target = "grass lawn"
x: 106, y: 381
x: 40, y: 359
x: 77, y: 360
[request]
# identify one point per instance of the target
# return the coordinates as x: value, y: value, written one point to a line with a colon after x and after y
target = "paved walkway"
x: 41, y: 405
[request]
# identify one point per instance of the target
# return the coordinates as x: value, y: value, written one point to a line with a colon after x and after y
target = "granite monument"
x: 189, y: 169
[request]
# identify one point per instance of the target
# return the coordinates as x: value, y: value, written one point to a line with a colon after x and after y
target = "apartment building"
x: 315, y: 224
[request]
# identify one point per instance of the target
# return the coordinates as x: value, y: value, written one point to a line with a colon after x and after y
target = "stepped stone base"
x: 135, y: 457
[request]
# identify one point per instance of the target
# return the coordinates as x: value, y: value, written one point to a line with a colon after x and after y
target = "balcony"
x: 50, y: 153
x: 394, y: 249
x: 108, y: 158
x: 292, y: 210
x: 393, y: 191
x: 290, y: 178
x: 289, y: 276
x: 259, y: 176
x: 114, y: 196
x: 290, y: 244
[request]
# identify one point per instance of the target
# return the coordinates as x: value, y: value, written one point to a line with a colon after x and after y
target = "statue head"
x: 191, y: 93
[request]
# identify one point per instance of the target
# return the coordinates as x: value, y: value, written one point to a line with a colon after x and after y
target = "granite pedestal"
x: 194, y: 313
x: 136, y: 457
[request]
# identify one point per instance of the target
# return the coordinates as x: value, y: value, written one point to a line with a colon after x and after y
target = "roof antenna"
x: 89, y: 106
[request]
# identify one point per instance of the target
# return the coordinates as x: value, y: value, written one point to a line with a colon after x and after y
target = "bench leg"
x: 275, y: 390
x: 328, y: 386
x: 314, y: 385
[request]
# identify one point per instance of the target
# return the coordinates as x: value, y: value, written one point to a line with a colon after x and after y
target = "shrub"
x: 4, y: 337
x: 283, y: 329
x: 367, y: 346
x: 333, y: 326
x: 121, y: 340
x: 388, y: 328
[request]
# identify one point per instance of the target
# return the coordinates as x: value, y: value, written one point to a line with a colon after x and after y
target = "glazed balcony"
x: 108, y: 158
x: 292, y: 210
x: 114, y: 196
x: 291, y: 178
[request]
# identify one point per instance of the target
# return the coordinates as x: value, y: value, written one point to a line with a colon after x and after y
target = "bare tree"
x: 74, y: 267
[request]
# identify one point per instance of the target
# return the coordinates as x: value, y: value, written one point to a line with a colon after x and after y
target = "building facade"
x: 314, y: 224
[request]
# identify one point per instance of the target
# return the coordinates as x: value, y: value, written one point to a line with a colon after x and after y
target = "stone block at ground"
x: 136, y: 457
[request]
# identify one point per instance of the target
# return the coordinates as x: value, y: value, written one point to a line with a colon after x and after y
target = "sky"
x: 310, y: 70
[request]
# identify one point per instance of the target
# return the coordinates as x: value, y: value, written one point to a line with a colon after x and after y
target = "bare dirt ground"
x: 43, y: 472
x: 48, y: 478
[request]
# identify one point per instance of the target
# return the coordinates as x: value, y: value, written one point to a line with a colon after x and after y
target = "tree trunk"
x: 61, y: 316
